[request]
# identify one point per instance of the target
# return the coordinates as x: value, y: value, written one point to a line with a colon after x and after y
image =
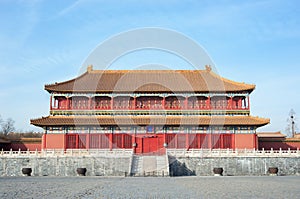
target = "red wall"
x: 55, y: 141
x: 276, y: 145
x: 245, y: 141
x: 148, y: 142
x: 24, y: 144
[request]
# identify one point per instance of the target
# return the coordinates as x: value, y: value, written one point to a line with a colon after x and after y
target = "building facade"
x: 149, y: 111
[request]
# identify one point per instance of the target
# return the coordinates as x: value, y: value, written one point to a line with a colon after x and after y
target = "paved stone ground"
x: 150, y: 187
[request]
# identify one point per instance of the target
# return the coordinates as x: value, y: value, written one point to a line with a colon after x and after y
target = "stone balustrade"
x: 172, y: 152
x: 232, y: 153
x: 69, y: 153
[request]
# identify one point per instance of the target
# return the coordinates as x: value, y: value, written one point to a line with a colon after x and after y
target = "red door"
x: 149, y: 145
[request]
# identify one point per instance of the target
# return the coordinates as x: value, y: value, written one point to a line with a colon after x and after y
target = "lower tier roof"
x: 149, y: 120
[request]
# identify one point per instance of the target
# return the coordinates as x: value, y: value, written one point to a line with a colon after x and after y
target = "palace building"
x: 149, y: 111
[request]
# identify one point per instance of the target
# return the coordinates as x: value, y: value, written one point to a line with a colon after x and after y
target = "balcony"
x: 150, y: 105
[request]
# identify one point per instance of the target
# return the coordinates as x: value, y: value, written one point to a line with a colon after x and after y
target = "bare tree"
x: 7, y: 126
x: 291, y: 126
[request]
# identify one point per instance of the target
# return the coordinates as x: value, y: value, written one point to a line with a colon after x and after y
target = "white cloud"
x: 70, y: 8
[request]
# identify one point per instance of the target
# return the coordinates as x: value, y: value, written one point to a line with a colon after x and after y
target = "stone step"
x: 149, y: 166
x: 136, y: 167
x: 162, y: 165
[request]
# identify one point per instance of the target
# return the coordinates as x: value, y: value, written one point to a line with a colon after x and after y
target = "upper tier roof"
x: 129, y: 81
x: 150, y: 120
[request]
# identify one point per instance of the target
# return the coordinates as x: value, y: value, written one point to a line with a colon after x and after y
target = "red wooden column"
x: 110, y: 141
x: 248, y: 98
x: 230, y: 102
x: 112, y: 103
x: 122, y: 141
x: 65, y: 141
x: 163, y: 102
x: 240, y: 103
x: 44, y: 141
x: 87, y: 144
x: 134, y: 140
x: 90, y: 103
x: 199, y: 140
x: 222, y: 140
x: 165, y: 139
x: 255, y: 141
x: 208, y: 102
x: 134, y: 103
x: 186, y: 103
x: 233, y: 141
x: 187, y: 144
x: 68, y: 104
x: 77, y: 141
x: 210, y: 139
x: 51, y: 102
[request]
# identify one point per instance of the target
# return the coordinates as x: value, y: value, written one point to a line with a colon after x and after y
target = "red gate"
x: 150, y: 145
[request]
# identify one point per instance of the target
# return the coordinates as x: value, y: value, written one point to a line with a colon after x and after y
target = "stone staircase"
x: 136, y: 165
x: 150, y: 165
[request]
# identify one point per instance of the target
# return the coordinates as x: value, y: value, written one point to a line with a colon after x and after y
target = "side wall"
x: 276, y: 145
x: 23, y: 144
x: 65, y: 166
x: 233, y: 166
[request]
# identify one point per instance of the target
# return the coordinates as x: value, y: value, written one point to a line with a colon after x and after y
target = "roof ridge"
x: 179, y: 116
x: 145, y: 71
x: 63, y: 82
x: 231, y: 81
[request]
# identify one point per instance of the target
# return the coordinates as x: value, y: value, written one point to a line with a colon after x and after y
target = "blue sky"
x: 251, y: 41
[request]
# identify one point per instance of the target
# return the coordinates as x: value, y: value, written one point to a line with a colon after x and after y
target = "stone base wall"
x: 65, y: 166
x: 120, y: 166
x: 233, y: 166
